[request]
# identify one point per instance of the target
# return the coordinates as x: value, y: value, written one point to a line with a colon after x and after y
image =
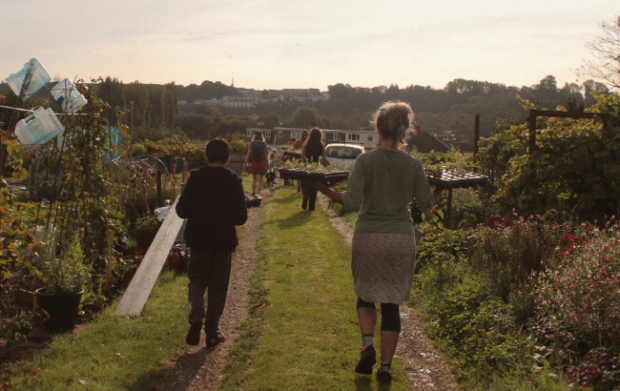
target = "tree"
x: 270, y: 120
x: 195, y: 125
x: 210, y: 111
x: 339, y: 91
x: 606, y: 50
x: 305, y: 117
x: 340, y: 123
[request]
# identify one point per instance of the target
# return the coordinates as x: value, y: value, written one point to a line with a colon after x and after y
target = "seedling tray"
x: 295, y: 155
x: 453, y: 180
x: 328, y: 178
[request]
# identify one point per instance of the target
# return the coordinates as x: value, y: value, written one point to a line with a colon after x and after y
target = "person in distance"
x: 258, y: 160
x: 313, y: 151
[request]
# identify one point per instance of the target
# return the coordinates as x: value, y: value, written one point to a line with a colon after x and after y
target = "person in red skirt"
x: 258, y: 161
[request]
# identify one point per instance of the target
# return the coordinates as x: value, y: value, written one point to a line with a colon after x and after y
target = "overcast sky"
x: 303, y: 44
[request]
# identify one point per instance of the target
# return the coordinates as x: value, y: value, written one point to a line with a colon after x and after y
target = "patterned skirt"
x: 383, y: 267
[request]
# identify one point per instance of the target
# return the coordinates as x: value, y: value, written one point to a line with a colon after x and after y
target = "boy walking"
x: 213, y: 202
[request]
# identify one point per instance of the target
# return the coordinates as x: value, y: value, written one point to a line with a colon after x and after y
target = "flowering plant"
x: 577, y: 300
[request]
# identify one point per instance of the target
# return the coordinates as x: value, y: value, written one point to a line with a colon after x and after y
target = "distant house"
x: 425, y: 142
x: 267, y: 133
x: 334, y: 136
x: 238, y: 101
x: 280, y: 136
x: 368, y: 138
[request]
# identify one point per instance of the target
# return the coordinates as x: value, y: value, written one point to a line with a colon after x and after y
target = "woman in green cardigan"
x: 382, y: 183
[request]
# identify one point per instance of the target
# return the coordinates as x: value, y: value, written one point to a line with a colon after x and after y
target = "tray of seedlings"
x: 288, y: 152
x: 292, y: 154
x: 449, y: 179
x: 325, y: 175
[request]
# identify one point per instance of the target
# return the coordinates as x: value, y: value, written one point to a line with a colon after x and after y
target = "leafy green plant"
x: 146, y: 224
x: 64, y: 273
x: 239, y: 144
x: 469, y: 207
x: 435, y: 162
x: 509, y: 254
x: 15, y: 271
x: 574, y: 167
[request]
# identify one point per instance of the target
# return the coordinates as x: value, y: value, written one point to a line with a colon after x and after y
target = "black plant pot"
x: 62, y: 308
x: 144, y: 239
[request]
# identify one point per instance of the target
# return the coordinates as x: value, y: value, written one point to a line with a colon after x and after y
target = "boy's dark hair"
x: 218, y: 150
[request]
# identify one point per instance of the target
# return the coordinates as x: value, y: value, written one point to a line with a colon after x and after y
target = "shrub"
x: 468, y: 208
x: 574, y: 168
x: 476, y: 328
x: 510, y: 250
x: 578, y: 307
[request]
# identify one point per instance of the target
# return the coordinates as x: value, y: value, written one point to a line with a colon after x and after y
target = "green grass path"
x: 114, y: 352
x: 309, y: 336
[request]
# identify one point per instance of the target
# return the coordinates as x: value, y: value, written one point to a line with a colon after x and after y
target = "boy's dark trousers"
x: 309, y: 193
x: 208, y: 270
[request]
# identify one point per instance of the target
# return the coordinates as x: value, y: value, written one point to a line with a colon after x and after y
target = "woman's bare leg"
x: 389, y: 340
x: 254, y: 183
x: 368, y: 319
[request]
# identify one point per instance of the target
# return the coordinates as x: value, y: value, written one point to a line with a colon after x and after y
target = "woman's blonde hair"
x: 258, y: 136
x: 304, y: 135
x: 393, y: 120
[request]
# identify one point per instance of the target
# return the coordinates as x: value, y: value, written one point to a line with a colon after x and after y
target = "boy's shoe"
x: 368, y: 358
x: 384, y: 376
x: 214, y: 340
x: 193, y: 335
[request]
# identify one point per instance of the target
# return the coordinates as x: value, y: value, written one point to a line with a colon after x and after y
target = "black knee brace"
x: 364, y: 304
x: 390, y: 317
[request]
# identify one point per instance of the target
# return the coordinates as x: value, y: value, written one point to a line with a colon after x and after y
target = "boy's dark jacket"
x: 213, y: 202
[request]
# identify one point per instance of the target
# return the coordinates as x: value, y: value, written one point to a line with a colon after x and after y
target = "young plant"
x: 66, y: 273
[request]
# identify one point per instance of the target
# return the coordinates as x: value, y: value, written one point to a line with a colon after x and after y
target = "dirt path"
x: 421, y: 359
x: 202, y: 368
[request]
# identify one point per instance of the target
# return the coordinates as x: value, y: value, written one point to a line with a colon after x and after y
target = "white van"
x: 343, y: 155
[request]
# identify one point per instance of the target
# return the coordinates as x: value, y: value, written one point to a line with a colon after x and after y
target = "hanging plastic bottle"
x: 32, y: 75
x: 68, y: 97
x: 38, y: 128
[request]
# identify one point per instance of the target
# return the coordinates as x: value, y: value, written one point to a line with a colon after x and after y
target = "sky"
x: 280, y: 44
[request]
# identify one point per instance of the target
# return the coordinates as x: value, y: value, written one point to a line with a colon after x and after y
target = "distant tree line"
x: 148, y: 109
x: 153, y: 111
